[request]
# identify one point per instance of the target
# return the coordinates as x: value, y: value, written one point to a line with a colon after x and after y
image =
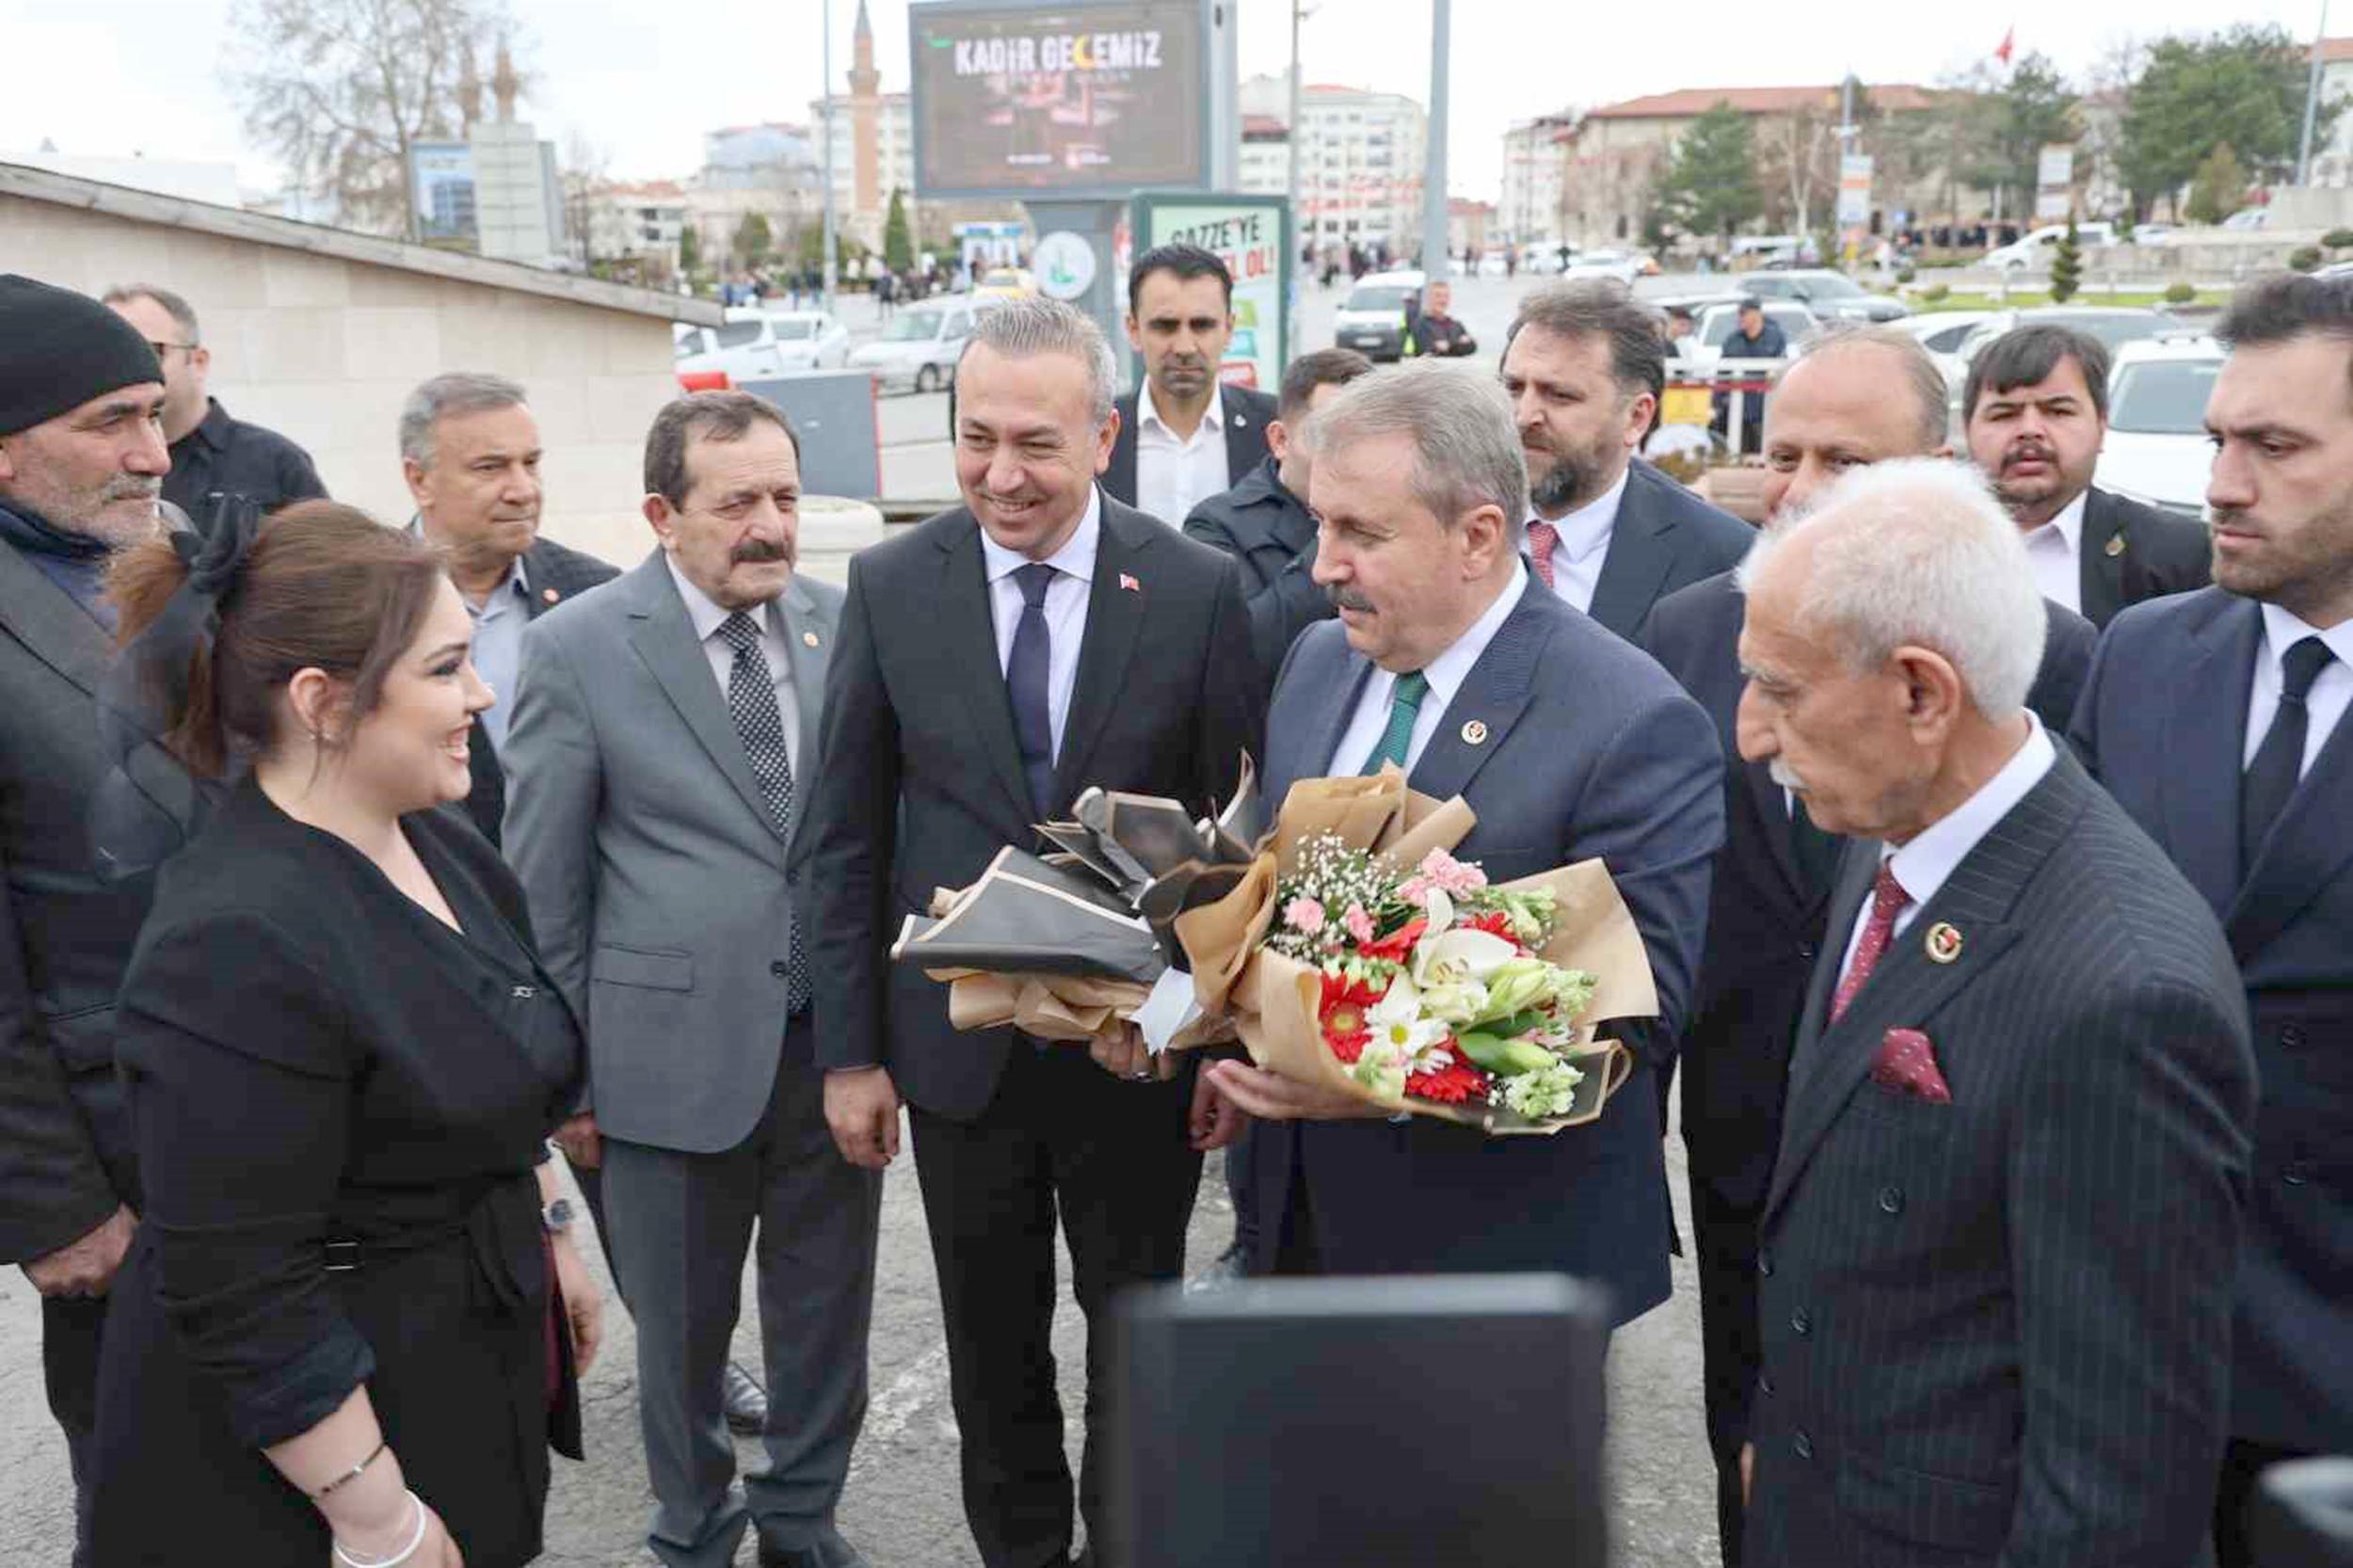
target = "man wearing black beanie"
x: 82, y: 462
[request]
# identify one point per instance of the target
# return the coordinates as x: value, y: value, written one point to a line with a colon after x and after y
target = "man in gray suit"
x: 663, y: 726
x: 2024, y: 1021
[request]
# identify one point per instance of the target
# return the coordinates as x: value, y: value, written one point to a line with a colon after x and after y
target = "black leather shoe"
x: 827, y: 1551
x: 744, y: 1399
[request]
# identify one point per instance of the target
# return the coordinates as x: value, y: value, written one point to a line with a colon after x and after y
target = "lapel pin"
x: 550, y: 595
x: 1130, y: 583
x: 1944, y: 943
x: 2115, y: 545
x: 1475, y: 732
x: 810, y: 638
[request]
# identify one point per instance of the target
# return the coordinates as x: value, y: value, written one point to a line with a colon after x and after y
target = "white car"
x: 1371, y: 320
x: 1623, y: 265
x: 2037, y: 249
x: 1717, y: 323
x: 919, y: 344
x: 751, y: 343
x: 2157, y: 449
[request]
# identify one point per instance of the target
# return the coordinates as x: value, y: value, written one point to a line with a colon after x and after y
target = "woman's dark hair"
x: 322, y: 586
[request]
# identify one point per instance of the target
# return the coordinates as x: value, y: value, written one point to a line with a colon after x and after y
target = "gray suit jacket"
x: 660, y: 888
x: 1998, y: 1330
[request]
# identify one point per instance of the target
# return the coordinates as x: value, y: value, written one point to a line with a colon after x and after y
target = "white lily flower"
x: 1457, y: 956
x: 1396, y: 1023
x: 1438, y: 907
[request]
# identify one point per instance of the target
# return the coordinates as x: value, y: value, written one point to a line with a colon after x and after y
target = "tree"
x: 2217, y: 188
x: 2243, y: 86
x: 1797, y: 160
x: 1711, y: 188
x: 340, y: 91
x: 898, y: 245
x: 2067, y: 266
x: 2003, y: 125
x: 690, y: 248
x: 753, y: 238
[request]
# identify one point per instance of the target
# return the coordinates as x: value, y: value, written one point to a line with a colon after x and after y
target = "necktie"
x: 1888, y: 899
x: 1026, y: 671
x: 1542, y: 537
x: 1404, y: 706
x: 752, y: 703
x: 2271, y: 777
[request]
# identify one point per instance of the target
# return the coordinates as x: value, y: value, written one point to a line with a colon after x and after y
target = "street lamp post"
x: 1434, y: 235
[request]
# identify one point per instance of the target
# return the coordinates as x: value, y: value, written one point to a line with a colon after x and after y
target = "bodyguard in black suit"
x: 2216, y: 719
x: 991, y: 663
x: 1606, y: 531
x: 2037, y: 405
x: 2021, y: 1019
x: 1768, y: 903
x: 1180, y: 317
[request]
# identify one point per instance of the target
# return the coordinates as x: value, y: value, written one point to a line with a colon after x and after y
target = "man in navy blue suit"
x: 1569, y: 744
x: 2216, y: 719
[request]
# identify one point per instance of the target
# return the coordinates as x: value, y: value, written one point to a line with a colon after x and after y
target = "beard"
x: 1574, y: 479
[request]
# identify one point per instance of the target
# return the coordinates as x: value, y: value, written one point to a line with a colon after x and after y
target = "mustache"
x: 132, y: 486
x: 759, y: 549
x: 1345, y: 597
x: 2026, y: 449
x: 1783, y: 775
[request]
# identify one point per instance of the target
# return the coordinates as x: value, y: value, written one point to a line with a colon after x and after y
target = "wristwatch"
x: 558, y: 1216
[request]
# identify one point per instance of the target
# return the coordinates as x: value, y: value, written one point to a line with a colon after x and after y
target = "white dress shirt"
x: 1924, y: 865
x: 498, y: 646
x: 1174, y: 474
x: 1445, y: 674
x: 2055, y: 548
x: 1066, y: 606
x: 2324, y: 705
x: 719, y: 653
x: 1584, y: 545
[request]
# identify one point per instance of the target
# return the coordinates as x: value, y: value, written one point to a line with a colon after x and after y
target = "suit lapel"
x: 664, y: 637
x: 2306, y: 850
x: 807, y: 641
x: 968, y: 633
x: 43, y: 616
x: 1635, y: 563
x: 1494, y: 694
x: 1114, y: 625
x: 1241, y: 453
x: 2205, y: 738
x: 1119, y: 480
x: 2102, y: 552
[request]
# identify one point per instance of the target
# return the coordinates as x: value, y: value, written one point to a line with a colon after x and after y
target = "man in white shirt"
x: 1584, y: 367
x: 1185, y: 434
x: 2024, y: 1011
x: 2036, y: 406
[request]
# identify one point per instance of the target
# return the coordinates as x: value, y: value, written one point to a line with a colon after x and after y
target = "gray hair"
x: 1020, y: 327
x: 460, y: 391
x: 1917, y: 370
x: 1466, y: 450
x: 1917, y: 550
x: 179, y: 309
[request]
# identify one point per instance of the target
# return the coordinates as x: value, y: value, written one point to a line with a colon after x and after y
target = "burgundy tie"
x: 1542, y: 537
x: 1888, y: 899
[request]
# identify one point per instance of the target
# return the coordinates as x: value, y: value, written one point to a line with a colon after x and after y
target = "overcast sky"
x: 643, y: 81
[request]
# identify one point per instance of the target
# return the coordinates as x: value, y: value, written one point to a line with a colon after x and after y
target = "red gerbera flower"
x: 1348, y: 1045
x: 1398, y: 943
x: 1494, y: 922
x: 1342, y: 1008
x: 1451, y: 1084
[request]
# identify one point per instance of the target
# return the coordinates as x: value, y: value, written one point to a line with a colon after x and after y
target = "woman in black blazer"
x: 340, y: 1336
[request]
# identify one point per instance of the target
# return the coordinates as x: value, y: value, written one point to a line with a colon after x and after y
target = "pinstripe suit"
x: 1997, y: 1329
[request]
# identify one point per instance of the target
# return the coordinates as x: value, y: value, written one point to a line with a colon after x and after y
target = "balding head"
x: 1859, y: 395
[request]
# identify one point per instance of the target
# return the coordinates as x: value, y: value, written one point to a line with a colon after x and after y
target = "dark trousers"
x: 70, y: 1330
x: 1062, y: 1138
x: 2243, y: 1465
x: 1724, y: 1236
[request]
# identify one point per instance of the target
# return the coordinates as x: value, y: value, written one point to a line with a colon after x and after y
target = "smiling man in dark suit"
x: 2218, y: 719
x: 1608, y: 533
x: 994, y: 662
x: 2023, y: 1018
x: 2036, y: 406
x: 1185, y: 434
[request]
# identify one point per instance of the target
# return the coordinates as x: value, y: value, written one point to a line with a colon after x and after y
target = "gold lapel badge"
x: 2115, y: 545
x: 550, y: 595
x: 810, y: 638
x: 1475, y: 732
x: 1944, y: 943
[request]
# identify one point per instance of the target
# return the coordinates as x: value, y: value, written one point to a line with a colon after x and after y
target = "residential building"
x: 2332, y: 155
x: 1469, y: 224
x: 1535, y: 169
x: 1361, y: 162
x: 637, y: 223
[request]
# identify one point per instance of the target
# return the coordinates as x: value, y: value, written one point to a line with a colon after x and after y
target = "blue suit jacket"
x: 1590, y: 750
x: 2163, y: 724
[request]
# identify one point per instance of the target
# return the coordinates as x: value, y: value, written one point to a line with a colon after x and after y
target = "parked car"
x: 2248, y: 218
x: 1493, y: 264
x: 2036, y: 248
x: 752, y: 343
x: 1623, y: 265
x: 1715, y: 325
x: 1006, y: 282
x: 1831, y: 296
x: 1371, y: 319
x: 2157, y: 449
x: 2113, y: 324
x: 2152, y: 233
x: 919, y: 345
x: 1943, y: 331
x: 1767, y: 251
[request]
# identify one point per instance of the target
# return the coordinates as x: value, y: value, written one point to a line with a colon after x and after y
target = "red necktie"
x: 1888, y: 899
x: 1542, y: 537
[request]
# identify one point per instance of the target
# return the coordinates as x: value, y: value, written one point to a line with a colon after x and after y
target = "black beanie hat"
x: 58, y: 350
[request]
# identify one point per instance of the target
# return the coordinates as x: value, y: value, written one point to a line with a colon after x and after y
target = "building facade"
x: 1360, y: 162
x: 1534, y: 164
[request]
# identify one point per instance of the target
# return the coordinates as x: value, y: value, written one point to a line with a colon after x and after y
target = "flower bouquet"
x: 1358, y: 951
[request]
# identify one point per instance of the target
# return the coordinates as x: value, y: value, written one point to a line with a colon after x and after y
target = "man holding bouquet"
x: 992, y: 663
x: 1569, y: 745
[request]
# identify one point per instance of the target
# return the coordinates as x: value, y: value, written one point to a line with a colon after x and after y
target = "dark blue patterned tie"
x: 1026, y: 672
x: 752, y: 703
x: 2278, y: 765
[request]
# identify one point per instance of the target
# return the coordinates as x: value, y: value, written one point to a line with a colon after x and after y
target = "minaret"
x: 867, y: 196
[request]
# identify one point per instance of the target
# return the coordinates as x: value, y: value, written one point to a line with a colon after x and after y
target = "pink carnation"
x: 1304, y: 915
x: 1359, y: 924
x: 1454, y: 876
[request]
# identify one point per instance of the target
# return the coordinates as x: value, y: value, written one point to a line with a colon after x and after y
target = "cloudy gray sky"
x: 643, y: 81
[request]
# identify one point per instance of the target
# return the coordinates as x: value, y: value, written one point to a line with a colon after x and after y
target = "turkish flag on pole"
x: 2010, y: 41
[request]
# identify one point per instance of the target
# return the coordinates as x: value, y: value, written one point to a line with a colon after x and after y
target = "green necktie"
x: 1405, y: 705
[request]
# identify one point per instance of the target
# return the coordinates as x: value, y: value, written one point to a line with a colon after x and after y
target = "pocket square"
x: 1907, y: 1065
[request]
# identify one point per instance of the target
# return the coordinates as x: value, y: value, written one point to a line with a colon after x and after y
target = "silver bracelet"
x: 355, y: 1472
x: 416, y: 1538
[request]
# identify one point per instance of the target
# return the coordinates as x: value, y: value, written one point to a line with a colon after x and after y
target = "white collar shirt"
x: 2324, y: 705
x: 1445, y: 674
x: 1583, y: 544
x: 1066, y: 606
x: 707, y: 616
x: 2055, y: 548
x: 1925, y: 864
x: 1175, y: 474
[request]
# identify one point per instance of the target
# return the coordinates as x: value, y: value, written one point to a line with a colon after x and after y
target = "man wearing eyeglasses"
x: 210, y: 450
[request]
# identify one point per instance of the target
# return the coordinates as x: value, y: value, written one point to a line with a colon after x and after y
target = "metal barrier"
x: 1693, y: 386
